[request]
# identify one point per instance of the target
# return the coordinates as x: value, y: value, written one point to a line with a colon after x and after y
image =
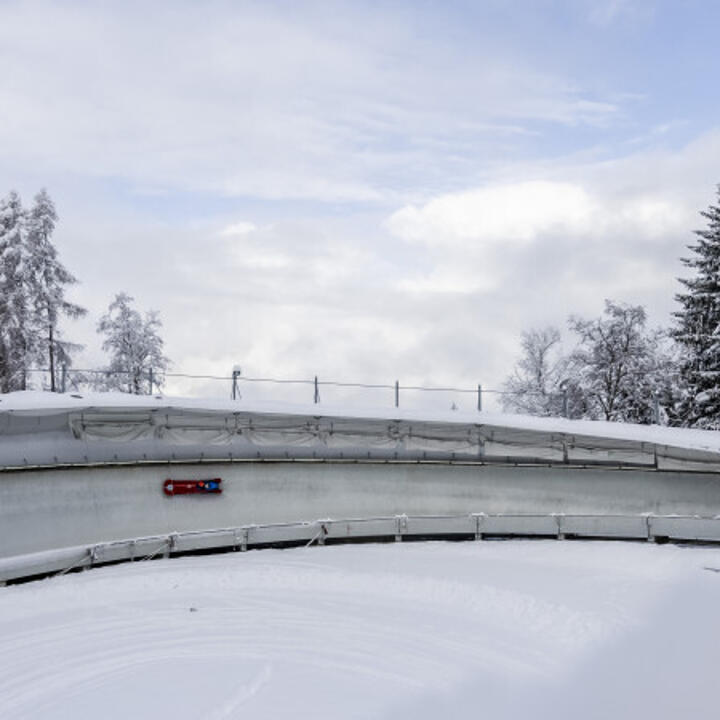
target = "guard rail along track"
x: 476, y: 526
x: 81, y: 478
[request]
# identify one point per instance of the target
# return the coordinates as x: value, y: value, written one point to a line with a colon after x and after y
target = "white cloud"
x: 607, y: 12
x: 238, y: 229
x: 521, y: 213
x: 251, y: 100
x: 516, y: 214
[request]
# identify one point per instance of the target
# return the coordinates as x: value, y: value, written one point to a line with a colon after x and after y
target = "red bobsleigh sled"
x: 191, y: 487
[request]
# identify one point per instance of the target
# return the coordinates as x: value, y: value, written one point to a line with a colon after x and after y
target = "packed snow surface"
x: 519, y: 629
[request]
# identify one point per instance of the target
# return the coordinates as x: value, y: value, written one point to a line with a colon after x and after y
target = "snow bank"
x: 503, y: 630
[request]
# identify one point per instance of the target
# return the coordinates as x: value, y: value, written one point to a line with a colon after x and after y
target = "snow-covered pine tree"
x: 16, y: 336
x: 698, y: 328
x: 134, y: 344
x: 48, y: 280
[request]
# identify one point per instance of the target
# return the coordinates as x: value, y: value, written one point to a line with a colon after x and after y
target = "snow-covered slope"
x: 427, y: 630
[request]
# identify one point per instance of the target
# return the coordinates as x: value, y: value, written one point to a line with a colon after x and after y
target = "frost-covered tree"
x: 48, y: 279
x: 621, y: 365
x: 533, y: 388
x: 620, y: 370
x: 698, y: 328
x: 16, y: 336
x: 134, y: 344
x: 544, y: 380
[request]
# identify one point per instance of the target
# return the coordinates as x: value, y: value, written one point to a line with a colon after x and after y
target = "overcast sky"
x: 363, y: 190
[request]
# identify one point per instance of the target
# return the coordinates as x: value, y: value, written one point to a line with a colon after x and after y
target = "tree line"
x: 33, y: 302
x: 619, y: 369
x: 622, y: 370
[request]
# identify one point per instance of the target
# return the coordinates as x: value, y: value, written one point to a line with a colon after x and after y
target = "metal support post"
x: 397, y: 393
x: 401, y: 527
x: 235, y: 374
x: 656, y: 409
x: 63, y: 377
x: 150, y: 378
x: 479, y: 398
x: 316, y: 399
x: 478, y: 526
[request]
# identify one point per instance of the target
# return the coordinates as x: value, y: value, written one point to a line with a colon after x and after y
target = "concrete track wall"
x: 43, y: 510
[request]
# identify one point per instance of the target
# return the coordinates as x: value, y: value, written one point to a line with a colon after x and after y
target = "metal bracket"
x: 171, y: 544
x: 401, y: 527
x: 479, y: 522
x: 648, y: 523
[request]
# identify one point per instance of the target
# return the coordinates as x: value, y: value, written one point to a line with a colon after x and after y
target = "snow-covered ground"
x: 516, y: 629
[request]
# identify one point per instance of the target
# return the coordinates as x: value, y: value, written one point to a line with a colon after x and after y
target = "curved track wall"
x: 82, y: 478
x: 55, y: 508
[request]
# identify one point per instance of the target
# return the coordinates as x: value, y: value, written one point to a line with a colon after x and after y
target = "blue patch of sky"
x: 655, y: 61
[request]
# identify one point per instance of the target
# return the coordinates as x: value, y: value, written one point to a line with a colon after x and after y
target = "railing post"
x: 397, y: 393
x: 316, y: 399
x: 479, y: 398
x: 63, y: 377
x: 656, y: 409
x: 150, y: 378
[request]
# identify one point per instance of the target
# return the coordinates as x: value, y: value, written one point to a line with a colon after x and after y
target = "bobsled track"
x: 83, y: 478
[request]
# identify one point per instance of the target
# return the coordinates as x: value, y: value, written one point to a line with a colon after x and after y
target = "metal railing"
x: 150, y: 380
x: 77, y: 378
x: 473, y: 526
